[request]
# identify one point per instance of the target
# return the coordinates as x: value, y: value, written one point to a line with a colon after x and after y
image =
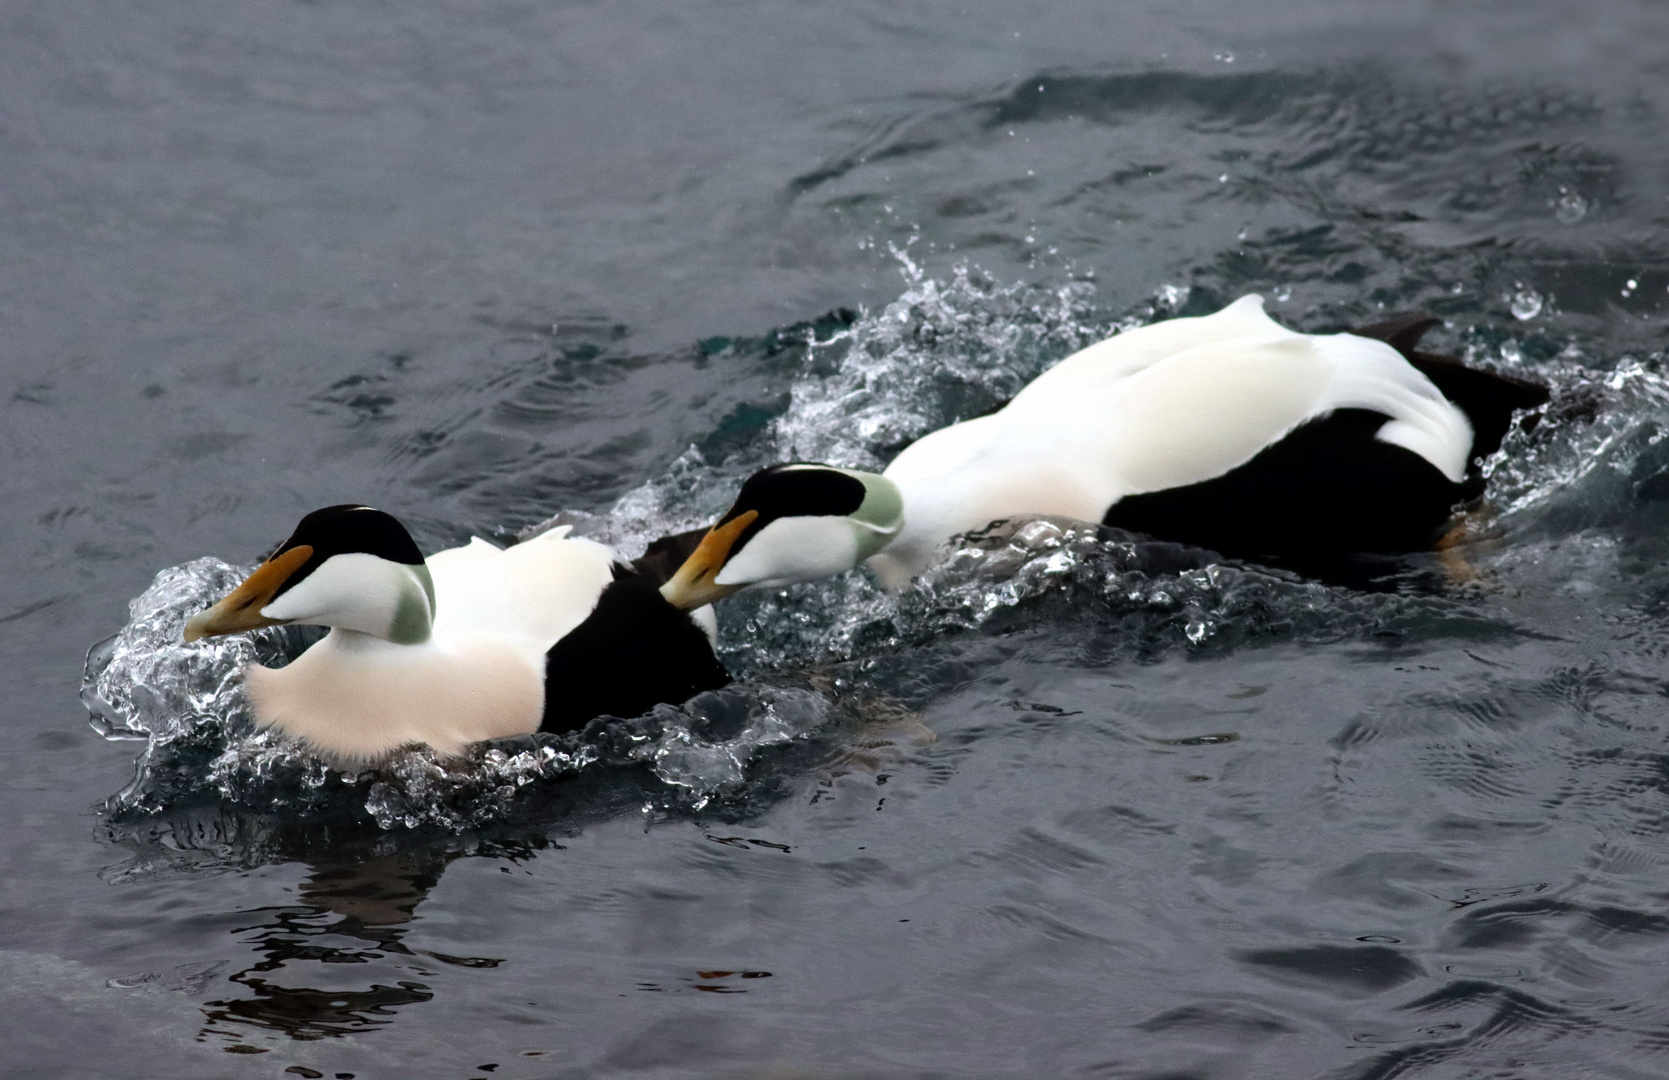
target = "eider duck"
x: 472, y: 643
x: 1228, y: 432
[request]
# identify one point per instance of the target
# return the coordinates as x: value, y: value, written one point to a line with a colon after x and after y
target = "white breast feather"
x: 1159, y: 407
x: 354, y: 698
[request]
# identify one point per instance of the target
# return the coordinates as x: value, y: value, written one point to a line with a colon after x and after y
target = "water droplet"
x: 1172, y: 297
x: 1283, y: 293
x: 1569, y: 207
x: 1629, y: 287
x: 1223, y: 179
x: 1526, y: 302
x: 1225, y: 57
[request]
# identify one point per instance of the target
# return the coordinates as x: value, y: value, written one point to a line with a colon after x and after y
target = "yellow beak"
x: 693, y: 584
x: 241, y: 608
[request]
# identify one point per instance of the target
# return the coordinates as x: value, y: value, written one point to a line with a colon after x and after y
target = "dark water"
x: 1049, y: 815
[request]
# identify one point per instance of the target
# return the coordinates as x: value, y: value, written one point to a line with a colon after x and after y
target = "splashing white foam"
x: 1597, y: 419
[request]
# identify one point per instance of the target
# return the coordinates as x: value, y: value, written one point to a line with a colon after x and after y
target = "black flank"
x: 785, y: 491
x: 1488, y: 400
x: 633, y: 652
x: 346, y: 529
x: 1327, y: 490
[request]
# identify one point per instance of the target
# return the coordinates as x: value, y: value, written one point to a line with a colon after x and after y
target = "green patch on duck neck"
x: 414, y: 614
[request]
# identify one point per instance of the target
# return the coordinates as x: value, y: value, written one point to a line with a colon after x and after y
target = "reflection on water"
x: 351, y: 913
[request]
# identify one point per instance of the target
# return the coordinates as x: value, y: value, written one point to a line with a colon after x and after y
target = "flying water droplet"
x: 1283, y: 293
x: 1569, y: 207
x: 1629, y: 286
x: 1526, y: 303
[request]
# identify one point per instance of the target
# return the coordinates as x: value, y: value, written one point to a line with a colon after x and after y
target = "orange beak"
x: 693, y: 584
x: 241, y: 608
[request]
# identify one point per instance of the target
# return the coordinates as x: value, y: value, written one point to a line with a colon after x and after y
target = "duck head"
x: 349, y: 567
x: 790, y: 523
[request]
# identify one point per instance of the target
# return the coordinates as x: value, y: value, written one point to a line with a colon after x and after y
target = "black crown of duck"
x: 1228, y: 432
x: 472, y: 643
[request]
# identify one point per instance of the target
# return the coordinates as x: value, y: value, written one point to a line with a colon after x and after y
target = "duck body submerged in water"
x: 472, y: 643
x: 1228, y: 432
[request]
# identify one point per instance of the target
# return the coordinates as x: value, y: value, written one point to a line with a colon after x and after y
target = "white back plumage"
x: 1162, y: 406
x: 536, y: 591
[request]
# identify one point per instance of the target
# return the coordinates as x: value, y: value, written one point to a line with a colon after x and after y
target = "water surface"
x: 1053, y: 813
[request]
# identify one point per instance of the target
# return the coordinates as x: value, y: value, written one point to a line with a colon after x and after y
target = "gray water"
x: 1050, y: 814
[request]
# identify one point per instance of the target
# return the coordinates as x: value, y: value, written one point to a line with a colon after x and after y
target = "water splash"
x: 1569, y: 208
x: 1597, y: 419
x: 146, y: 683
x: 1524, y: 302
x: 939, y: 353
x: 944, y: 350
